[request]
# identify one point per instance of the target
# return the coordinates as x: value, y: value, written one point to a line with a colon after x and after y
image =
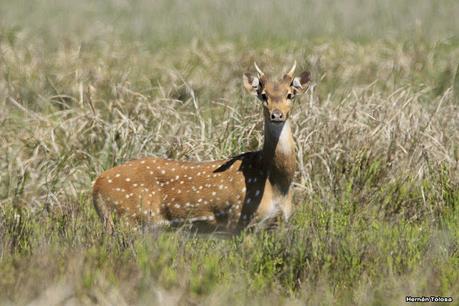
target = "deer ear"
x: 299, y: 83
x: 251, y: 84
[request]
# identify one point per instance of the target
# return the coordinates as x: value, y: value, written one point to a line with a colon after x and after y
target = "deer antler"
x: 292, y: 70
x: 258, y: 70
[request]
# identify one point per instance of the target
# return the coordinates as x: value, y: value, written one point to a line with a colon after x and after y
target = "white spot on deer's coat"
x: 177, y: 205
x: 142, y: 162
x: 214, y: 193
x: 200, y: 200
x: 117, y: 175
x: 244, y: 189
x: 163, y: 172
x: 128, y: 179
x: 220, y: 187
x: 134, y: 185
x: 110, y: 181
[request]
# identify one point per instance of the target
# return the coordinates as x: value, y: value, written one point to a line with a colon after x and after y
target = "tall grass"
x: 86, y: 86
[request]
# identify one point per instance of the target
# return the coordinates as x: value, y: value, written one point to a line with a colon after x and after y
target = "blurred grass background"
x: 88, y: 85
x: 156, y: 23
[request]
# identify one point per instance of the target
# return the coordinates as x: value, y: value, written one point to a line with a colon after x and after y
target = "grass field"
x: 88, y: 85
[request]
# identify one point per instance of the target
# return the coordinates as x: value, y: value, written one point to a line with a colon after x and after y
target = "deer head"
x: 276, y: 96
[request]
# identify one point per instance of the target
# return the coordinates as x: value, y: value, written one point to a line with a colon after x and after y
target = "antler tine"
x: 292, y: 70
x: 258, y: 69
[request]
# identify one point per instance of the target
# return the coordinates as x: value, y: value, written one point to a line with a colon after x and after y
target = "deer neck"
x: 279, y: 155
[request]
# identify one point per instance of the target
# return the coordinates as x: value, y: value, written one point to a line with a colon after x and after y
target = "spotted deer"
x: 226, y: 195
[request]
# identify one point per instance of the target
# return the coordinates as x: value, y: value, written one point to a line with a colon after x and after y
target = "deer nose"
x: 277, y: 116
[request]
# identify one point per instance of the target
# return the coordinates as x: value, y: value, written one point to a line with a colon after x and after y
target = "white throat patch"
x: 285, y: 144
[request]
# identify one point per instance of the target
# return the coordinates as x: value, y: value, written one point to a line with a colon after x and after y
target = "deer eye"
x: 264, y: 97
x: 289, y: 96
